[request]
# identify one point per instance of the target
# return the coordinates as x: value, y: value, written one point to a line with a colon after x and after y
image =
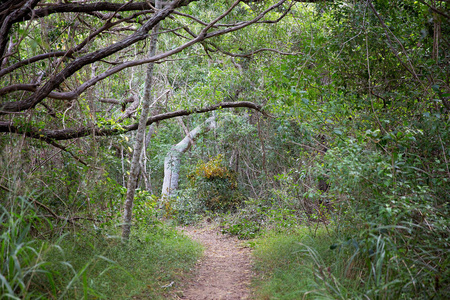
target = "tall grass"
x: 22, y: 260
x: 285, y: 270
x: 153, y: 258
x: 86, y: 263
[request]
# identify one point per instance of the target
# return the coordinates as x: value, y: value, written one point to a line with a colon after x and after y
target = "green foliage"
x: 362, y: 109
x: 188, y: 208
x: 406, y: 222
x: 257, y: 216
x: 383, y: 148
x: 144, y: 208
x: 244, y: 229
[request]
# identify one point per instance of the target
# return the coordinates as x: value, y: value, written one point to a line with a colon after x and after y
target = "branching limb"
x: 142, y: 33
x: 72, y: 133
x: 388, y: 32
x: 53, y: 143
x: 31, y: 60
x: 433, y: 8
x: 77, y: 64
x: 251, y: 53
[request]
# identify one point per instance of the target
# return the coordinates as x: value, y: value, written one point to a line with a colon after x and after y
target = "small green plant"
x: 244, y: 229
x: 144, y: 208
x: 189, y: 209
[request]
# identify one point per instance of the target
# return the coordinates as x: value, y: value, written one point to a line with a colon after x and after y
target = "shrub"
x: 216, y: 186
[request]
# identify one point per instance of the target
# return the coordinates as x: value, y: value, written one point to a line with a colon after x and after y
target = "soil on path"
x: 224, y: 272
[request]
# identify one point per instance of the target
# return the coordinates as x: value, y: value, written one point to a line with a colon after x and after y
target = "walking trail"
x: 224, y: 272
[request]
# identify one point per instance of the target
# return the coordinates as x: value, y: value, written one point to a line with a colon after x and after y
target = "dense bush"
x: 215, y: 185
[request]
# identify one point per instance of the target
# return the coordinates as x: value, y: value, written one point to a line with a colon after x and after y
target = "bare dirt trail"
x: 225, y: 270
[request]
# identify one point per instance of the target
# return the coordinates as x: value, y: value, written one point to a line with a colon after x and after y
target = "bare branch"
x: 245, y: 24
x: 31, y: 60
x: 53, y: 143
x: 135, y: 101
x: 88, y: 8
x: 388, y: 32
x: 191, y: 17
x: 25, y: 8
x: 251, y: 53
x: 117, y: 102
x: 33, y: 88
x: 435, y: 9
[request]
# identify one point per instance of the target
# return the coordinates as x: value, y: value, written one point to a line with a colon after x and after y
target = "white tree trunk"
x: 139, y: 142
x: 173, y: 157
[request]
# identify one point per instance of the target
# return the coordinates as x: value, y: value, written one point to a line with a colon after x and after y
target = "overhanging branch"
x: 87, y: 59
x: 47, y: 90
x: 73, y: 133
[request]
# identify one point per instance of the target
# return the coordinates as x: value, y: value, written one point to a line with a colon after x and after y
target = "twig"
x: 445, y: 156
x: 435, y: 9
x: 387, y: 31
x: 306, y: 146
x: 253, y: 52
x: 52, y: 213
x: 68, y: 151
x: 38, y: 203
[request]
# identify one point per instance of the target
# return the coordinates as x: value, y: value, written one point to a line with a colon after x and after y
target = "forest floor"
x: 225, y: 270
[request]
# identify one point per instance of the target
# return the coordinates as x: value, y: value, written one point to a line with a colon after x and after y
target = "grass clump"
x: 364, y: 264
x: 25, y: 271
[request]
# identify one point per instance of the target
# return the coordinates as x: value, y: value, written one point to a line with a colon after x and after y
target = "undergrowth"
x: 88, y: 262
x: 284, y: 268
x: 152, y: 259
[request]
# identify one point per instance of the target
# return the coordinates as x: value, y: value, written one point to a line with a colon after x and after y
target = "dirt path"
x: 225, y: 270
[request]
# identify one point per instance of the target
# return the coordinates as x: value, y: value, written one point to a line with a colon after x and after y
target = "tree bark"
x: 139, y: 142
x: 173, y: 157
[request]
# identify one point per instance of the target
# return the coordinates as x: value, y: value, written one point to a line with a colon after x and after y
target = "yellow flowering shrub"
x: 216, y: 185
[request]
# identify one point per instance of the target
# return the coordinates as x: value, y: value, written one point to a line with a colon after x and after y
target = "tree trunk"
x: 173, y: 157
x: 139, y: 142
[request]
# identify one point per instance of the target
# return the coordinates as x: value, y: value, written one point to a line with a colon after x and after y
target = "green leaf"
x: 337, y: 131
